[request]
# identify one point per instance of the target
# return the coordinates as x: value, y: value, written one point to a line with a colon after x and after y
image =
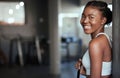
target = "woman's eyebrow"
x: 88, y: 14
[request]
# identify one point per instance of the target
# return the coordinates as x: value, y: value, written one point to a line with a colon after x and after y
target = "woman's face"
x: 92, y: 20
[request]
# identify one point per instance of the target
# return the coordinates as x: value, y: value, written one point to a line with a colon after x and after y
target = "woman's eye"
x: 91, y: 17
x: 83, y: 16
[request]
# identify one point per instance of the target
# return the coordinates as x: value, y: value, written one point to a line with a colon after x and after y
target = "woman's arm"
x: 96, y: 54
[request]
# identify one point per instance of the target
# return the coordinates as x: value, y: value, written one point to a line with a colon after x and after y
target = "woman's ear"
x: 104, y: 20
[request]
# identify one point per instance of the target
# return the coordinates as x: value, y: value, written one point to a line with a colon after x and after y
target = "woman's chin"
x: 86, y: 32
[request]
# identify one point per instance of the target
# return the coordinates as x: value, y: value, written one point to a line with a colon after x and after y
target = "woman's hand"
x: 80, y: 67
x: 78, y: 64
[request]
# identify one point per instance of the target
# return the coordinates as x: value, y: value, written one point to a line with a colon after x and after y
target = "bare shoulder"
x: 98, y: 43
x: 96, y: 49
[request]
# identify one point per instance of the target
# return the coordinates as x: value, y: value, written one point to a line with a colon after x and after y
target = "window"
x: 12, y: 13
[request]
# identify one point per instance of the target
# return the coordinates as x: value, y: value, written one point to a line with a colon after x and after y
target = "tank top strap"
x: 106, y: 36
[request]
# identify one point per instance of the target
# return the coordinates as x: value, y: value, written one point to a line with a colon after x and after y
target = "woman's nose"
x: 86, y: 20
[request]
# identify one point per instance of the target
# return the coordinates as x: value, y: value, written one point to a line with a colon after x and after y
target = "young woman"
x: 97, y: 60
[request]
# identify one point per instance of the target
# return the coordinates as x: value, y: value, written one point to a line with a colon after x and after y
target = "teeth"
x: 87, y: 27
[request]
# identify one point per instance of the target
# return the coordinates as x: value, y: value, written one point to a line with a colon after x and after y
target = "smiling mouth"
x: 87, y: 27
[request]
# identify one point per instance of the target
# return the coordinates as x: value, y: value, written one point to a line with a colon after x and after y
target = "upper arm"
x: 96, y: 55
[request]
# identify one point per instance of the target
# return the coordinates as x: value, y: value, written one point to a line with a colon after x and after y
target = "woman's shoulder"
x: 96, y: 48
x: 98, y: 42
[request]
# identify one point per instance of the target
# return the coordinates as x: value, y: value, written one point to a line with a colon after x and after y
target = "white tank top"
x: 106, y: 66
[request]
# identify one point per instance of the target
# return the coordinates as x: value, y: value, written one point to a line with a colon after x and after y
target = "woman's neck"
x: 93, y: 35
x: 99, y: 30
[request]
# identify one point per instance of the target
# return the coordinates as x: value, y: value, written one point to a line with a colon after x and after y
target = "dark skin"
x: 99, y: 48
